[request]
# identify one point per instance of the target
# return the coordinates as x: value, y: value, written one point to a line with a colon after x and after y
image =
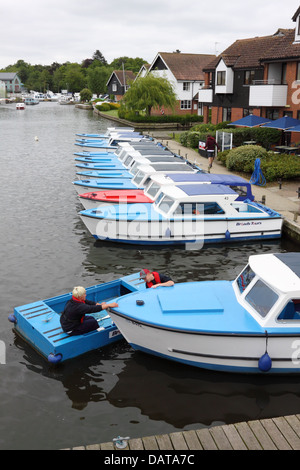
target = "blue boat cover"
x: 206, y: 189
x: 206, y: 177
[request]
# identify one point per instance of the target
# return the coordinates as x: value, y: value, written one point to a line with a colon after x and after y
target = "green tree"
x: 129, y: 64
x: 99, y: 57
x: 97, y: 78
x: 85, y: 95
x: 148, y: 92
x: 75, y: 79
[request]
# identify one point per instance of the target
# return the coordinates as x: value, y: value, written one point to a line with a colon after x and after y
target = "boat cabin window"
x: 135, y: 168
x: 138, y: 177
x: 261, y: 298
x: 128, y: 160
x: 199, y: 208
x: 153, y: 189
x: 240, y: 190
x: 165, y: 204
x: 291, y: 311
x: 245, y: 278
x: 118, y: 151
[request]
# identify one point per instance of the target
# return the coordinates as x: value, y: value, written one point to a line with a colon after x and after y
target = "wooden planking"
x: 282, y: 433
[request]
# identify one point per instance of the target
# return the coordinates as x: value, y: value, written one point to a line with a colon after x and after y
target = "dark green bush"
x: 243, y: 158
x: 103, y: 107
x: 136, y: 117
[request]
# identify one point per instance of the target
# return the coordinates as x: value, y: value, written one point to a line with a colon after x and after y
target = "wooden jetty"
x: 281, y: 433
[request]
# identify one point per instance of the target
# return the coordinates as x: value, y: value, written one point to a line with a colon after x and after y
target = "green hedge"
x: 264, y: 137
x: 165, y: 118
x: 107, y: 106
x: 273, y: 166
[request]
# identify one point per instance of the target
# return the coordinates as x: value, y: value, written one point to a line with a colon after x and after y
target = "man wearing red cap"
x: 154, y: 279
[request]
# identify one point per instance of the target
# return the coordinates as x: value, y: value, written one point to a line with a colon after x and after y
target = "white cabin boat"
x: 249, y: 325
x: 204, y: 213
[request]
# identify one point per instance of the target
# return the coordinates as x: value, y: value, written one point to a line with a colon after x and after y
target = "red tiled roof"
x: 186, y: 66
x: 129, y: 76
x: 249, y: 53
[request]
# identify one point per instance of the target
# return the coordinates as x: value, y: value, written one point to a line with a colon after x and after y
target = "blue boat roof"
x: 206, y: 189
x: 205, y: 177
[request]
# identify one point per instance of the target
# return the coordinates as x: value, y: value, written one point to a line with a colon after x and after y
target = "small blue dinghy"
x: 38, y: 323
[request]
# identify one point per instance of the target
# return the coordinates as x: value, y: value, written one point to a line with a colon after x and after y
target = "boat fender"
x: 54, y: 358
x: 140, y: 302
x: 265, y: 362
x: 227, y: 234
x: 12, y: 318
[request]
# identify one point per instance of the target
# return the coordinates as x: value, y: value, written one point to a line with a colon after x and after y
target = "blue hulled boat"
x: 38, y: 323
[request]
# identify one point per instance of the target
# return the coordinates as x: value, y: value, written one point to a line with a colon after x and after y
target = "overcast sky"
x: 71, y: 30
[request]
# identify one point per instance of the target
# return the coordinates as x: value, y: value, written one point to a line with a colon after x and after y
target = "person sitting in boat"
x: 74, y: 319
x: 154, y: 279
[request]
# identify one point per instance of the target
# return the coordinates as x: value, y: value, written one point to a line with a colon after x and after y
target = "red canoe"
x: 116, y: 196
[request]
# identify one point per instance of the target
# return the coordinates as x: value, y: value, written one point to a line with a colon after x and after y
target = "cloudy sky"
x: 71, y: 30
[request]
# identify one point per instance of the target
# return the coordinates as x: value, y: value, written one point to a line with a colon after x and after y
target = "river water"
x: 45, y: 250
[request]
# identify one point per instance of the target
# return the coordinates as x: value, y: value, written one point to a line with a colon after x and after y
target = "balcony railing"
x: 205, y: 94
x: 268, y: 94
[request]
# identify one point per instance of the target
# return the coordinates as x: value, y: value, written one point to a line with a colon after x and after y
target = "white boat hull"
x: 177, y: 232
x: 223, y: 352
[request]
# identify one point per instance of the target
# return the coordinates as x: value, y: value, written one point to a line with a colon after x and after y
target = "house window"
x: 221, y: 78
x: 226, y: 114
x: 186, y: 86
x: 114, y: 87
x: 247, y: 111
x: 272, y: 114
x: 249, y: 77
x: 185, y: 104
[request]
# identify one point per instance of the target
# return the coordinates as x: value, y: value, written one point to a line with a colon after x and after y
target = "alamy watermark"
x: 296, y: 93
x: 2, y: 352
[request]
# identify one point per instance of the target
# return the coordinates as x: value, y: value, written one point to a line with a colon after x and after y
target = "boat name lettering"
x: 248, y: 223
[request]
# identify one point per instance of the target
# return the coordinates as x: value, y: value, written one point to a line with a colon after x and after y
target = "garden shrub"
x: 222, y: 156
x: 280, y: 166
x: 243, y: 158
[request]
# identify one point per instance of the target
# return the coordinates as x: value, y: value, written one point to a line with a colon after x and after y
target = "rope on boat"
x: 257, y: 177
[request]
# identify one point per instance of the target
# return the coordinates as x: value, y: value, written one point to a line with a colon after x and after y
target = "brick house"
x: 258, y: 75
x: 185, y: 73
x: 12, y: 82
x: 119, y: 82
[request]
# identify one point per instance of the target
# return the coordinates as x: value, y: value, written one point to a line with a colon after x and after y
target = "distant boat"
x: 66, y: 99
x: 20, y: 106
x: 31, y: 100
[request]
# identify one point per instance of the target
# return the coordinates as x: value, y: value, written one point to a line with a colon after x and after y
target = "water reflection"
x: 183, y: 396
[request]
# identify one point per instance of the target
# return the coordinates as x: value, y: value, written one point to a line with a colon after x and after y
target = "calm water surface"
x: 45, y: 250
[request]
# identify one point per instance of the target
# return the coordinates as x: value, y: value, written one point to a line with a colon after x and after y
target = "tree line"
x: 92, y: 73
